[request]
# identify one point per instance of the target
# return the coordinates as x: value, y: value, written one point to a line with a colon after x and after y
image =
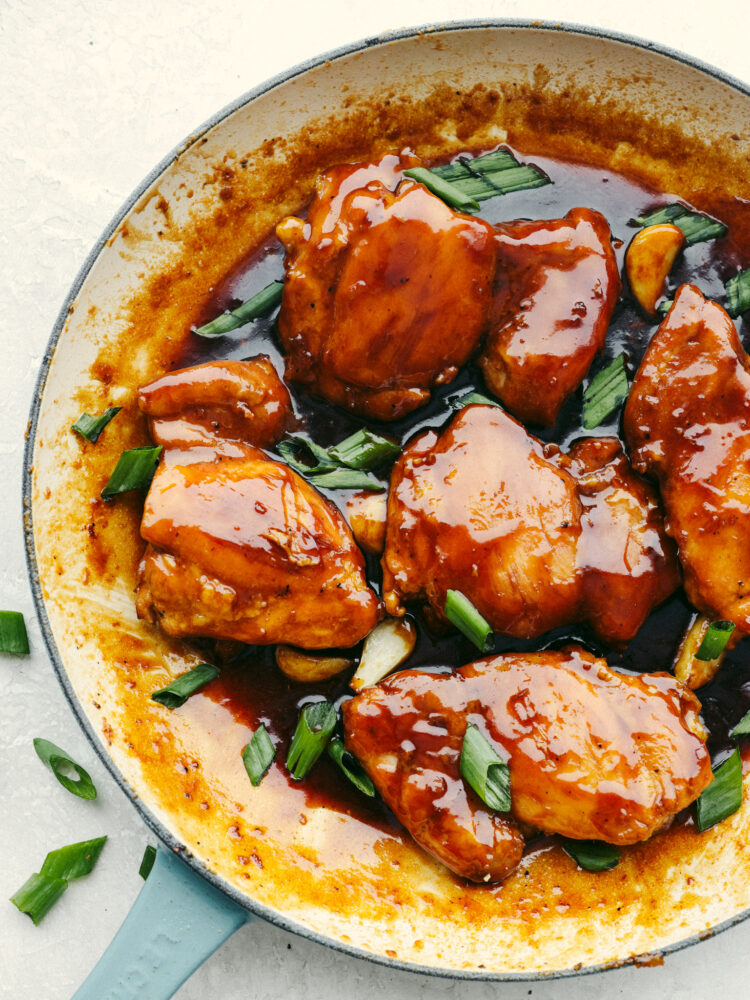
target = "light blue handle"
x: 176, y: 922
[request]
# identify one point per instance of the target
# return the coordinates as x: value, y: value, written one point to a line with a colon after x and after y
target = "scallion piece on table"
x: 472, y: 399
x: 723, y: 796
x: 742, y: 728
x: 461, y: 612
x: 259, y: 305
x: 73, y: 860
x: 738, y: 293
x: 147, y: 861
x: 62, y: 764
x: 450, y: 193
x: 715, y: 640
x: 492, y: 174
x: 484, y: 771
x: 314, y: 729
x: 175, y: 695
x: 292, y: 450
x: 13, y: 635
x: 348, y: 479
x: 592, y: 855
x: 351, y: 767
x: 134, y: 471
x: 38, y: 895
x: 258, y: 755
x: 606, y: 391
x: 91, y: 427
x: 695, y: 226
x: 364, y: 450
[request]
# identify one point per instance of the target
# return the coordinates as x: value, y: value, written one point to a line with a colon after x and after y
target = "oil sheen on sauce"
x: 252, y: 688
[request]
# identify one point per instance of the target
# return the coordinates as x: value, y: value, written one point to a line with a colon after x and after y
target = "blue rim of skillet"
x: 152, y: 821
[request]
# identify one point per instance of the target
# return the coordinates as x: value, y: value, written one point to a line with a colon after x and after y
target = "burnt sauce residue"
x: 252, y: 686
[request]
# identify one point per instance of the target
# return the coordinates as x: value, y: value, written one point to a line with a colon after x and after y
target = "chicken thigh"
x: 240, y: 546
x: 687, y: 422
x: 534, y: 538
x: 556, y: 286
x: 386, y: 294
x: 592, y: 754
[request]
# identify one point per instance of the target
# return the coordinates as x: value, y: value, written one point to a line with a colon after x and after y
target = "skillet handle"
x: 176, y: 922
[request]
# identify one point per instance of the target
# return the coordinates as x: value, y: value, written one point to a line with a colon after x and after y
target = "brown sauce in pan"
x: 254, y: 690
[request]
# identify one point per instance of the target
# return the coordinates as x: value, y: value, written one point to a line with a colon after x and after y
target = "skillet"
x: 94, y: 649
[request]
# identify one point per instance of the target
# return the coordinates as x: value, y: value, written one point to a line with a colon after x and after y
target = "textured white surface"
x: 93, y: 95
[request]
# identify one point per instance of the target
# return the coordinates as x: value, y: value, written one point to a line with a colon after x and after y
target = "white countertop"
x: 93, y: 95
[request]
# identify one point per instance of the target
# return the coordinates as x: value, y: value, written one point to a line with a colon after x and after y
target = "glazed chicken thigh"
x: 556, y: 286
x: 592, y: 754
x: 386, y: 294
x: 240, y: 546
x: 534, y: 538
x: 687, y: 422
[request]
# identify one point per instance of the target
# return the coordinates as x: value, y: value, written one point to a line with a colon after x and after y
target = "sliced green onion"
x: 490, y: 175
x: 91, y: 427
x: 606, y: 391
x: 147, y: 861
x: 259, y: 305
x: 450, y: 194
x: 61, y: 764
x: 73, y: 860
x: 314, y: 729
x: 183, y: 687
x: 258, y: 755
x: 38, y: 895
x: 290, y: 449
x: 664, y: 307
x: 13, y: 635
x: 484, y: 771
x: 738, y: 293
x: 723, y: 796
x: 351, y: 767
x: 472, y: 399
x: 348, y: 479
x: 742, y: 728
x: 592, y: 855
x: 364, y: 450
x: 695, y: 226
x: 461, y: 612
x: 715, y: 640
x: 134, y: 471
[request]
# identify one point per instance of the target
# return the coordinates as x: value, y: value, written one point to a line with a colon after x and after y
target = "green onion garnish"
x: 738, y: 293
x: 62, y: 764
x: 364, y: 450
x: 13, y: 635
x: 472, y: 399
x: 177, y: 693
x: 484, y: 771
x: 695, y: 227
x: 351, y: 767
x: 41, y: 891
x: 490, y: 175
x: 723, y: 796
x: 73, y: 860
x: 38, y: 895
x: 450, y: 194
x: 592, y: 855
x: 314, y: 729
x: 742, y: 728
x: 91, y: 427
x: 147, y: 861
x: 292, y: 448
x: 348, y: 479
x: 715, y: 640
x: 664, y: 307
x: 134, y: 471
x: 606, y: 391
x: 259, y: 305
x: 258, y: 755
x: 461, y: 612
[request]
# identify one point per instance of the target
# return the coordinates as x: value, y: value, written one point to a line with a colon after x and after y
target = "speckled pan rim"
x: 152, y: 821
